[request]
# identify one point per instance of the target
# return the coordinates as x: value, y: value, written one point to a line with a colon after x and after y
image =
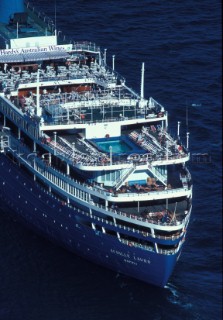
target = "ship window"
x: 110, y: 176
x: 111, y: 232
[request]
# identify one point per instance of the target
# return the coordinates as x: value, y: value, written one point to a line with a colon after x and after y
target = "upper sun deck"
x: 76, y: 95
x: 132, y: 148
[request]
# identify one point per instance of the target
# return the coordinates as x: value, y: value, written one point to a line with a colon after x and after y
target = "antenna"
x: 187, y: 134
x: 188, y: 140
x: 187, y: 115
x: 105, y: 56
x: 113, y: 62
x: 178, y: 130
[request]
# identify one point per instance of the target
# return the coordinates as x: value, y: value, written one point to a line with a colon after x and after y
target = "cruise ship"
x: 84, y: 159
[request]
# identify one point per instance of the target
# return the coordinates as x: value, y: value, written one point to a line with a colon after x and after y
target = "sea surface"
x: 180, y: 44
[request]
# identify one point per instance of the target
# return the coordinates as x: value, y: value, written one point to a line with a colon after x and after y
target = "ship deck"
x: 144, y: 145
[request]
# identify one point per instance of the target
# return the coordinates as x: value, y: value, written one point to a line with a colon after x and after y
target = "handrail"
x: 134, y: 230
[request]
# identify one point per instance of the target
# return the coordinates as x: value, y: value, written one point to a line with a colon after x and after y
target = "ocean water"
x: 180, y: 43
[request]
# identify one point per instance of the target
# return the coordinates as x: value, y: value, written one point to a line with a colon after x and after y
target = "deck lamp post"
x: 55, y: 141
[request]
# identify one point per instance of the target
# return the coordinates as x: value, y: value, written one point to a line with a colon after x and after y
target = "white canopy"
x: 33, y: 56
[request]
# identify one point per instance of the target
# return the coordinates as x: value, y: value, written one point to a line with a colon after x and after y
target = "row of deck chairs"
x: 145, y: 142
x: 90, y: 157
x: 146, y: 131
x: 168, y: 137
x: 11, y: 77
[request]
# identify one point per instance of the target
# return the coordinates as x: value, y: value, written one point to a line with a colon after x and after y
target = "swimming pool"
x: 119, y: 145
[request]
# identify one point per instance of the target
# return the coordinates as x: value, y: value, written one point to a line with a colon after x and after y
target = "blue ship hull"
x: 43, y: 212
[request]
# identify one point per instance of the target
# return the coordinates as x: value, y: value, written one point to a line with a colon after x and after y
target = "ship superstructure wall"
x: 24, y: 122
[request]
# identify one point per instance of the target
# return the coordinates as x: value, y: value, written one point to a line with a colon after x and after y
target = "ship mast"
x: 55, y: 17
x: 142, y: 81
x: 141, y: 104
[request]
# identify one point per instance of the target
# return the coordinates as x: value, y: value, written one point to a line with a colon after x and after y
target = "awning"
x: 33, y: 56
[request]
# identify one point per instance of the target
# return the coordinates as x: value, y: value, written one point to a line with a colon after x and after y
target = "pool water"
x: 118, y: 146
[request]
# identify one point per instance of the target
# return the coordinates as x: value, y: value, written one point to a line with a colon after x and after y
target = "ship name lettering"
x: 122, y: 254
x: 5, y: 52
x: 10, y: 51
x: 142, y: 260
x: 53, y: 48
x: 130, y: 261
x: 31, y: 50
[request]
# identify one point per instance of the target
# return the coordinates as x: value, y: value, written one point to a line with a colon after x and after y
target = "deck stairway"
x: 158, y: 175
x: 124, y: 177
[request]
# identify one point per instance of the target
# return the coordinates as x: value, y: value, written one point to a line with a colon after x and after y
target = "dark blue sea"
x: 180, y: 43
